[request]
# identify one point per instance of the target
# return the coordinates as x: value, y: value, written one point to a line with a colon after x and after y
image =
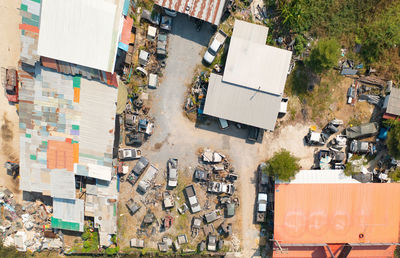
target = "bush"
x: 324, y: 55
x: 393, y: 141
x: 283, y: 165
x: 300, y: 44
x: 395, y: 175
x: 112, y: 250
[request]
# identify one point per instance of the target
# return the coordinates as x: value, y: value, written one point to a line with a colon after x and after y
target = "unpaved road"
x: 9, y: 56
x: 176, y: 136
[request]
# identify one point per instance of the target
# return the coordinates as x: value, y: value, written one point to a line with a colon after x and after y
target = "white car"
x: 129, y: 154
x: 172, y: 173
x: 215, y: 46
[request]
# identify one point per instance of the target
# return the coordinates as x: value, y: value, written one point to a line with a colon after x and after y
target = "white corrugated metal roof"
x: 251, y: 63
x: 84, y: 32
x: 206, y: 10
x: 331, y: 176
x: 69, y: 210
x: 240, y: 104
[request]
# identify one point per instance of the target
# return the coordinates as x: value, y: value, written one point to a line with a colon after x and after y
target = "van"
x: 223, y: 124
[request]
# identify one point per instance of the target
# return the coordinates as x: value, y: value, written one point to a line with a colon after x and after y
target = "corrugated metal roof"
x: 393, y: 106
x: 84, y: 32
x: 30, y: 12
x: 337, y: 213
x: 240, y: 104
x: 60, y: 133
x: 317, y: 176
x: 206, y: 10
x: 66, y: 212
x: 250, y: 63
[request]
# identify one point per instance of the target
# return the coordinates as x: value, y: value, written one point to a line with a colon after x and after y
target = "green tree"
x: 292, y: 13
x: 393, y: 140
x: 324, y: 55
x: 395, y: 175
x: 283, y: 165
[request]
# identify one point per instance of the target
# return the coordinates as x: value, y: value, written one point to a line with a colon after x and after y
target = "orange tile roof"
x: 337, y: 213
x: 60, y: 155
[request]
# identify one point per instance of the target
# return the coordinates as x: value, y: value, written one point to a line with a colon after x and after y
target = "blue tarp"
x: 123, y: 46
x: 126, y: 7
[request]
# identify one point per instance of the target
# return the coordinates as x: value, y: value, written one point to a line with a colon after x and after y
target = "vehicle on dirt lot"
x: 192, y: 198
x: 215, y: 46
x: 132, y: 206
x: 172, y: 172
x: 161, y: 50
x: 262, y: 201
x: 201, y: 174
x: 127, y: 154
x: 147, y: 178
x: 137, y: 243
x: 10, y: 83
x: 315, y: 139
x: 362, y: 131
x: 134, y: 139
x: 360, y: 147
x: 220, y: 187
x: 212, y: 243
x: 210, y: 217
x: 140, y: 166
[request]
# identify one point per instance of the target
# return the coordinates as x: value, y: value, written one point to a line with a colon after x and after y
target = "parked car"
x: 313, y: 138
x: 223, y: 124
x: 148, y: 176
x: 201, y: 175
x: 215, y: 46
x: 262, y: 201
x: 360, y: 147
x: 212, y: 216
x: 220, y: 187
x: 132, y: 206
x: 151, y: 17
x: 140, y: 166
x: 253, y: 133
x: 192, y: 198
x: 161, y: 50
x: 212, y: 243
x: 127, y: 154
x: 362, y: 131
x: 134, y: 139
x: 172, y: 172
x: 170, y: 12
x: 166, y: 23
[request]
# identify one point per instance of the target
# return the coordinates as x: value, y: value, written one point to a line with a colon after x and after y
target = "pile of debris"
x: 28, y: 226
x: 196, y: 96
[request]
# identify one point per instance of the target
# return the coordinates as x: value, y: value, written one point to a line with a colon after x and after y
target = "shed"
x: 138, y: 243
x: 153, y: 81
x: 393, y: 104
x: 163, y: 247
x: 151, y: 33
x: 182, y: 239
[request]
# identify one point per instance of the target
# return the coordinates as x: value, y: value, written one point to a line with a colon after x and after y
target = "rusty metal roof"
x: 206, y: 10
x: 337, y: 213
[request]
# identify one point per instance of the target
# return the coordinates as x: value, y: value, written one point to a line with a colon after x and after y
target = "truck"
x: 132, y: 206
x: 215, y: 46
x: 360, y: 147
x: 362, y: 131
x: 220, y: 187
x: 262, y: 200
x: 192, y: 198
x: 148, y: 176
x: 140, y: 166
x: 172, y: 173
x: 212, y: 216
x: 127, y: 154
x: 10, y: 82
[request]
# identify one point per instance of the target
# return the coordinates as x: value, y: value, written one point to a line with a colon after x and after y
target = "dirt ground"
x: 9, y: 57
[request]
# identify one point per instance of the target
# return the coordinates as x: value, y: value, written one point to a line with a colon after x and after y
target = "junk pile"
x: 196, y: 96
x: 138, y: 124
x: 27, y: 226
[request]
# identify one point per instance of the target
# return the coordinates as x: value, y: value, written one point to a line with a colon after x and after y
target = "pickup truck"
x: 192, y: 198
x: 215, y: 46
x: 148, y: 176
x: 262, y: 200
x: 126, y: 154
x: 172, y: 173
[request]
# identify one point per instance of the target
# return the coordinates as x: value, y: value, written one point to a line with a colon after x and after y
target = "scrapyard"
x: 202, y: 128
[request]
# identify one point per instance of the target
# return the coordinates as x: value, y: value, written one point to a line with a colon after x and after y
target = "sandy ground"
x: 9, y: 57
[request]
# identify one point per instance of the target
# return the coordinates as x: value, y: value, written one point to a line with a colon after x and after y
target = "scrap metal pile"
x: 27, y: 226
x: 197, y: 94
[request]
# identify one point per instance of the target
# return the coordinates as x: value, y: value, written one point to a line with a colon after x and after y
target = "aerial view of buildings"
x: 173, y: 128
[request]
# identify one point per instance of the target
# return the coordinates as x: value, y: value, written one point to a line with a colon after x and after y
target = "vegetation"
x: 283, y: 165
x: 324, y: 55
x: 10, y: 252
x: 91, y: 241
x: 393, y: 140
x: 395, y: 175
x: 349, y: 169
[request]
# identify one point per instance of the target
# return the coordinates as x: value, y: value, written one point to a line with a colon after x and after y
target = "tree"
x: 324, y: 55
x: 393, y: 140
x: 282, y: 165
x: 395, y: 175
